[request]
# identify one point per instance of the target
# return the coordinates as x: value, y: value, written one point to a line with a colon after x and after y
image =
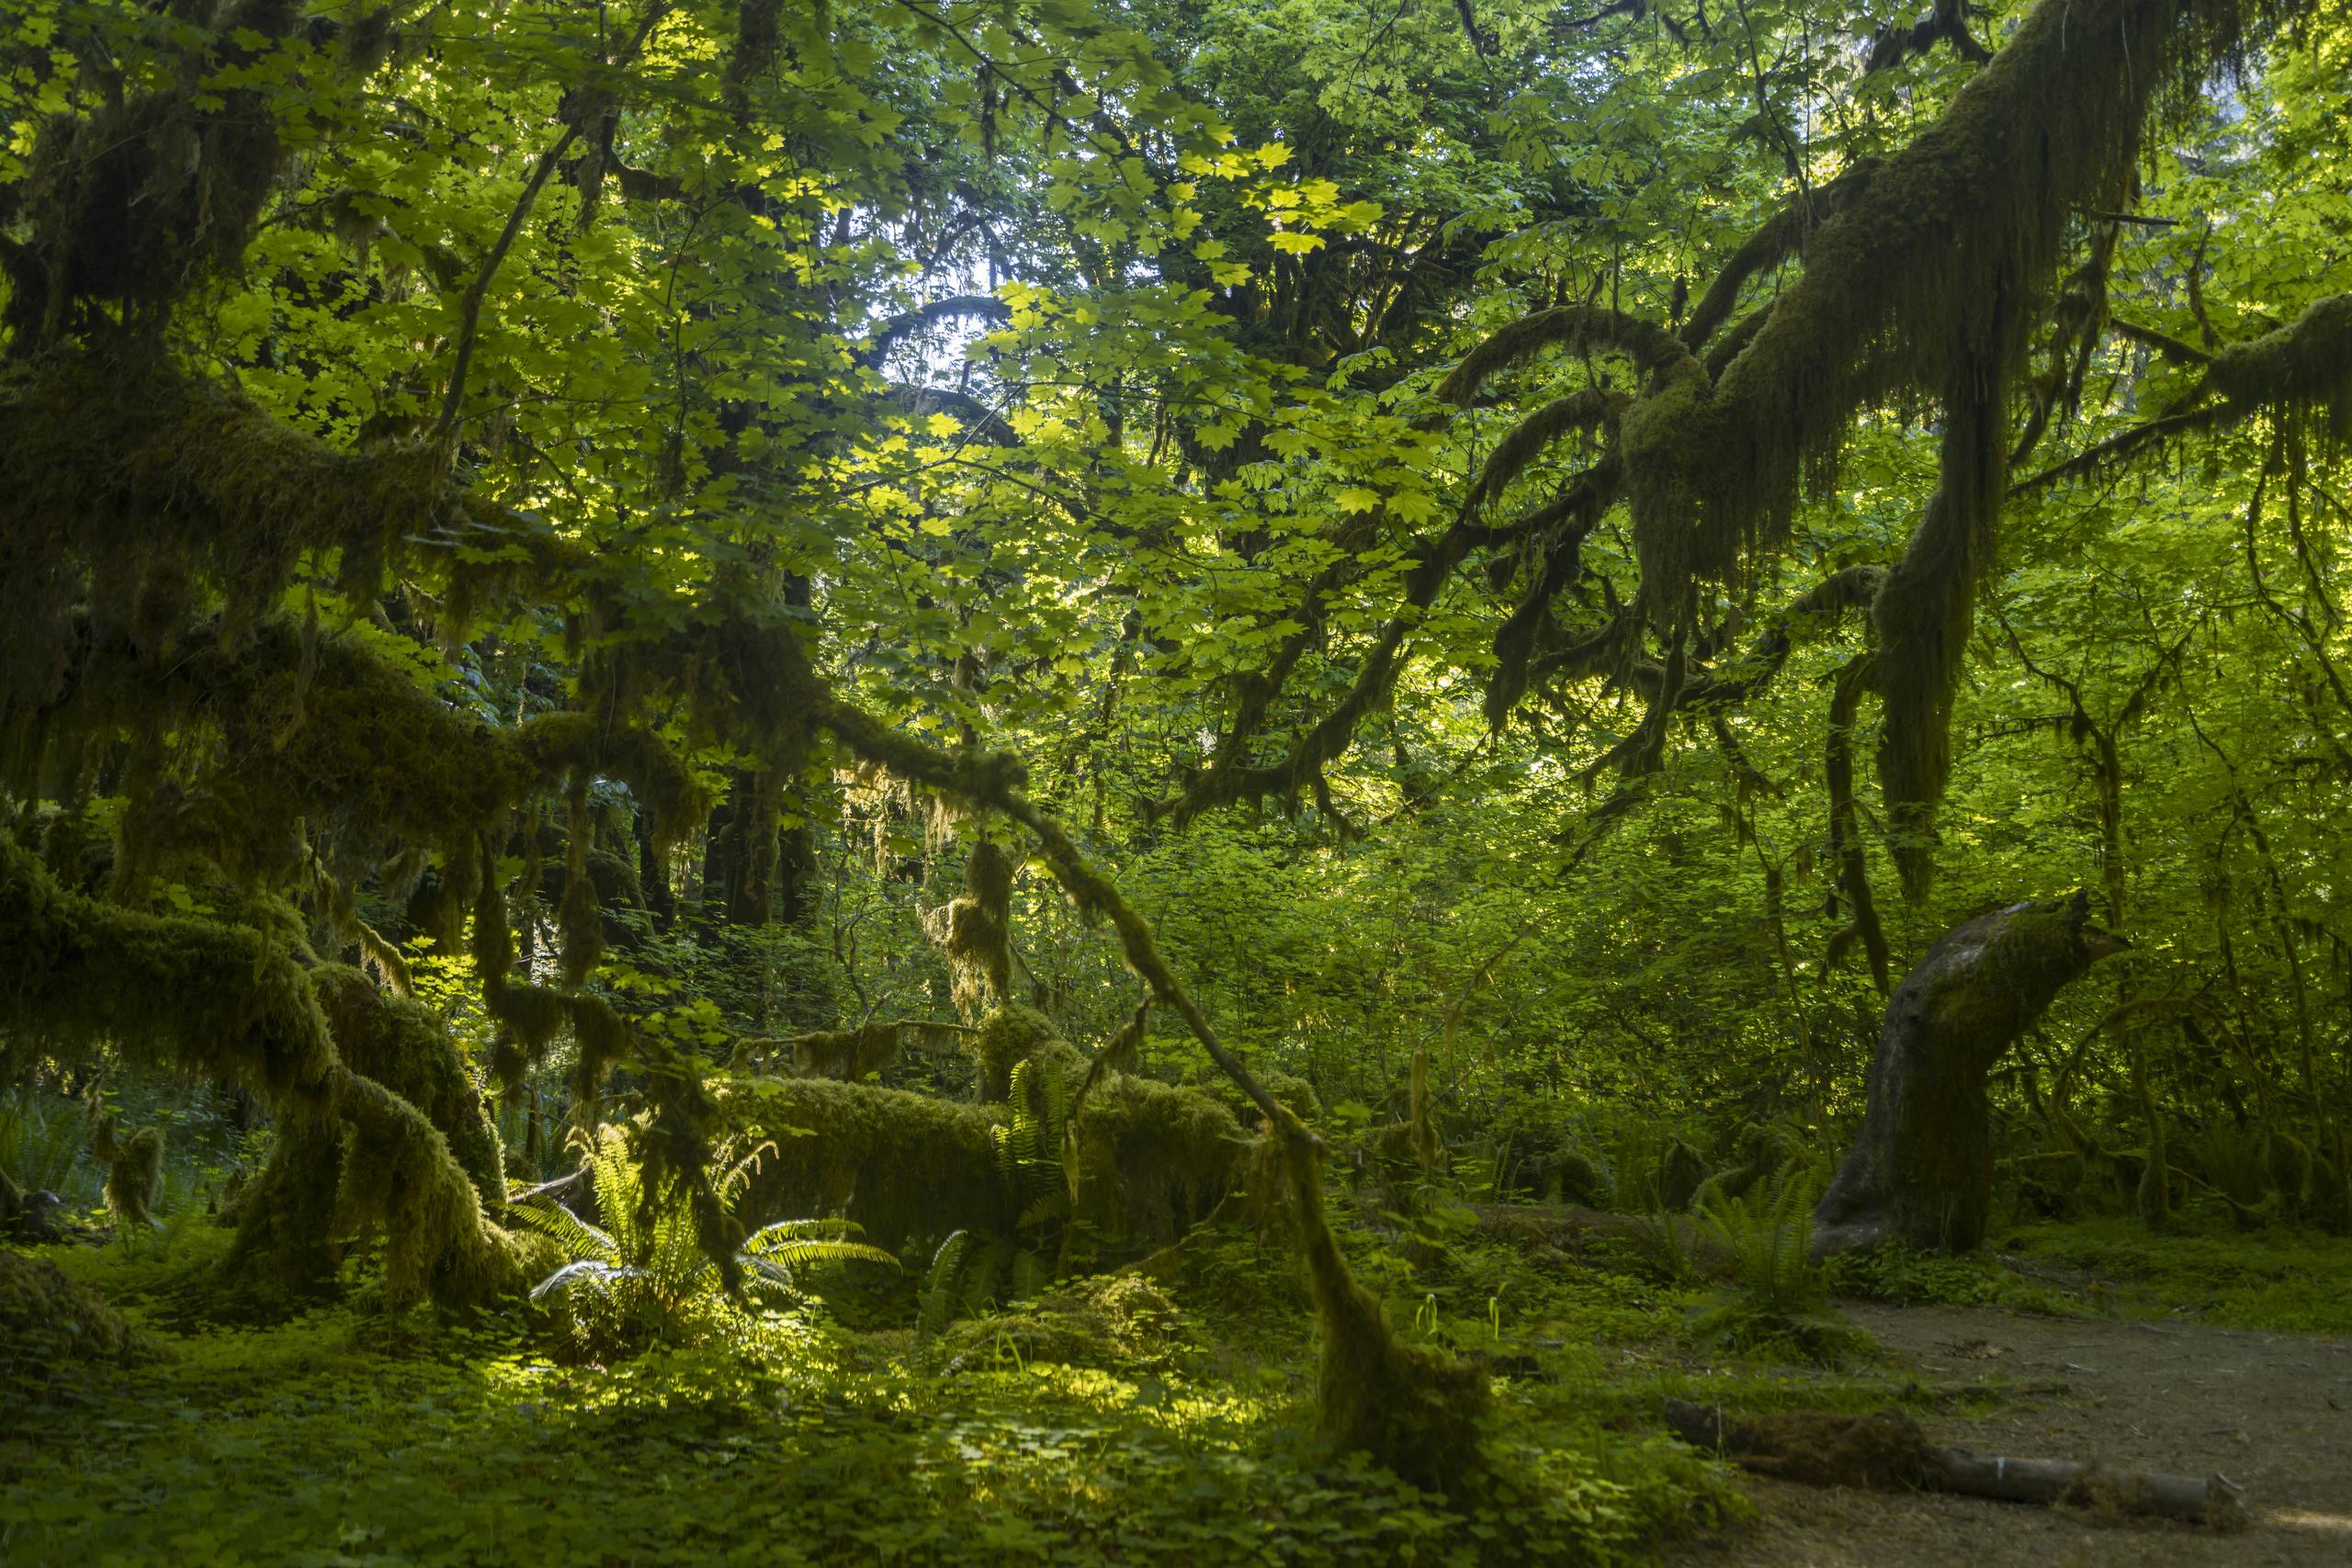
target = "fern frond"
x: 942, y: 1288
x: 581, y: 1241
x: 602, y: 1276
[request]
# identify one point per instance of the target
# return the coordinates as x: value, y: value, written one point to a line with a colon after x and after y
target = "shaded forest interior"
x: 1253, y: 780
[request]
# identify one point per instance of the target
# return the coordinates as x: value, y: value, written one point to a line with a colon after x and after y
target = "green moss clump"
x: 1113, y: 1322
x: 1682, y: 1169
x: 46, y: 1317
x: 1013, y: 1035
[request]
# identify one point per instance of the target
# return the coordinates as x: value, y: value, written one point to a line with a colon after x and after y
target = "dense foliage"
x: 654, y: 658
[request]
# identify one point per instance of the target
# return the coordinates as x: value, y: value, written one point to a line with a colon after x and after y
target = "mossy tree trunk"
x: 1921, y: 1173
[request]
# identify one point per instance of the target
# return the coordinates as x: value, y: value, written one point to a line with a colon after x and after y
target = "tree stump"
x: 1921, y: 1173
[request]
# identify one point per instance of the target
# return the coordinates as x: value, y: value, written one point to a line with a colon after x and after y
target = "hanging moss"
x: 903, y: 1165
x: 976, y: 930
x: 164, y: 490
x: 132, y: 204
x: 1151, y: 1159
x: 2307, y: 362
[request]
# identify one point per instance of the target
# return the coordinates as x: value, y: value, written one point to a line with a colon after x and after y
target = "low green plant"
x: 1905, y: 1278
x: 642, y: 1279
x: 1780, y: 1300
x: 1661, y: 1242
x: 2234, y: 1161
x: 44, y: 1145
x: 973, y: 1271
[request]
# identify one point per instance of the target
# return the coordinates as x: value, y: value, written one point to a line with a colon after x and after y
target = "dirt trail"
x: 2272, y: 1412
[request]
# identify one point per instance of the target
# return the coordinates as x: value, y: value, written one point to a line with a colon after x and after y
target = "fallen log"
x: 1887, y: 1450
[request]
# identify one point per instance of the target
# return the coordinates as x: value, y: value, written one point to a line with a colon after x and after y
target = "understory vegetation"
x: 909, y: 783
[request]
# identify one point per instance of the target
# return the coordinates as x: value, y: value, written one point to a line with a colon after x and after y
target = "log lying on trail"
x: 1887, y: 1450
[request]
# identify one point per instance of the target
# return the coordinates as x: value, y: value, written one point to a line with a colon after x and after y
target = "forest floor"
x: 2271, y: 1412
x: 1172, y: 1429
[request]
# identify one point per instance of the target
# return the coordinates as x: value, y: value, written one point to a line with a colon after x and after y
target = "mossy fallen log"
x: 1888, y: 1450
x: 902, y: 1165
x: 1151, y: 1159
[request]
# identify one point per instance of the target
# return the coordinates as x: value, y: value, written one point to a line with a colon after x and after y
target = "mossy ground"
x: 1191, y: 1443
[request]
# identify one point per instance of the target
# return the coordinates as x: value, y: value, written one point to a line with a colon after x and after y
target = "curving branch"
x: 1782, y: 236
x: 892, y: 329
x: 1583, y: 327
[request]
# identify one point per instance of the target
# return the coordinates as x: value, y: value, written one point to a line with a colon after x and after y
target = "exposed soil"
x: 2271, y: 1412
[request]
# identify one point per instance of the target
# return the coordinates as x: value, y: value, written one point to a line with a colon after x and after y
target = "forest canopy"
x: 702, y: 672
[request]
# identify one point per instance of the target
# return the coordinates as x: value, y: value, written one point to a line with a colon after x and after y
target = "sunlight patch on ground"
x: 2305, y: 1519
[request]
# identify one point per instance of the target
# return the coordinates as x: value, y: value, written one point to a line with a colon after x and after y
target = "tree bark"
x: 1920, y: 1172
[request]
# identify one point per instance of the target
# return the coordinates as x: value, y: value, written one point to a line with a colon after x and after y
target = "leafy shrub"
x: 643, y: 1278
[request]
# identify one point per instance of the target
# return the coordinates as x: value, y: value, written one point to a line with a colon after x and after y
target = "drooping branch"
x: 1410, y: 1409
x: 1926, y: 607
x: 2303, y: 366
x: 213, y: 997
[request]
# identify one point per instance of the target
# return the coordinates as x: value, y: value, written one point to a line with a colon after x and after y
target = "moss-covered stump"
x: 902, y: 1165
x: 134, y: 1171
x: 1921, y: 1171
x: 48, y: 1319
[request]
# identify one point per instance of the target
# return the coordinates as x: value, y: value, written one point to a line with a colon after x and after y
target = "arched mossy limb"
x: 222, y: 1001
x: 1920, y: 1172
x: 1436, y: 1401
x: 1415, y: 1411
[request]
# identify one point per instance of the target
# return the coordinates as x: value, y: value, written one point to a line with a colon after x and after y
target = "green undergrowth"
x: 1152, y: 1417
x: 1904, y: 1277
x: 2277, y: 1280
x: 339, y: 1437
